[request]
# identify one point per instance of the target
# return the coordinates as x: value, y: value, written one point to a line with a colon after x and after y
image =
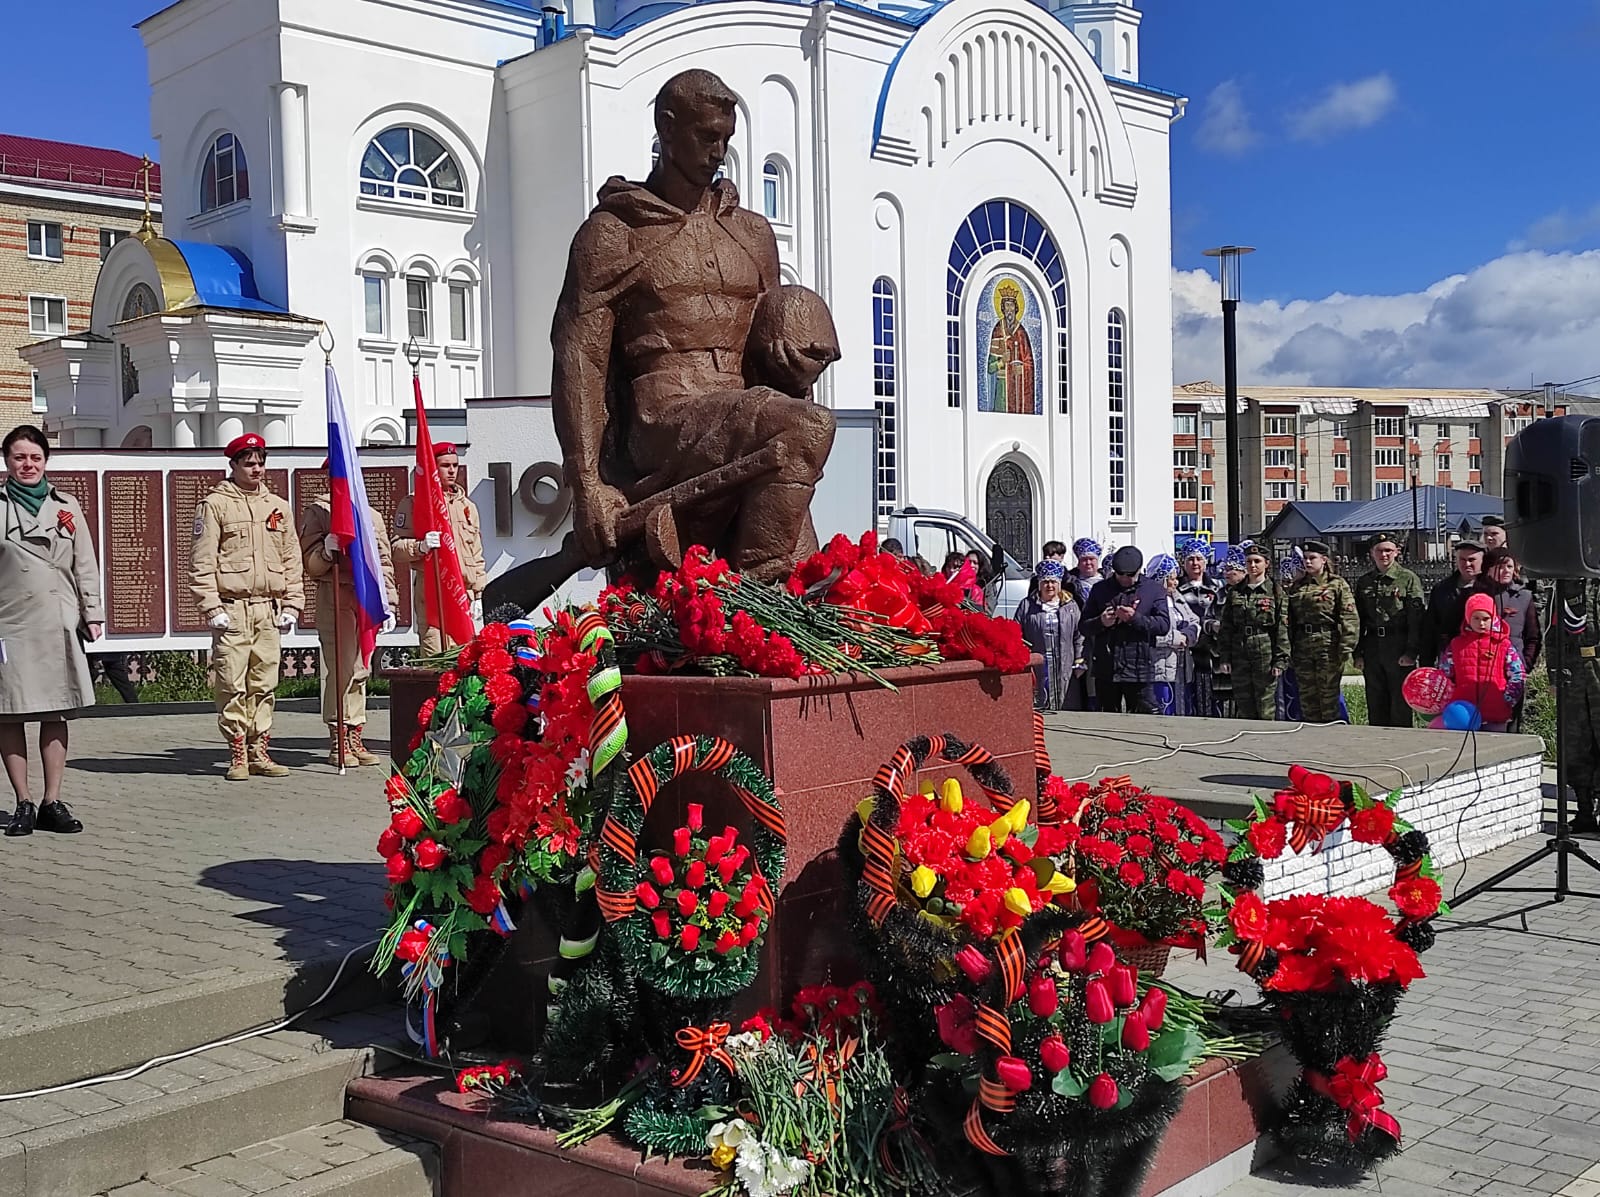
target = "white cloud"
x: 1560, y: 228
x: 1530, y: 313
x: 1345, y: 106
x: 1225, y: 126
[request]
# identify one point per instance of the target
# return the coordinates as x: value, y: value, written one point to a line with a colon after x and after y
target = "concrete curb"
x: 125, y: 710
x: 411, y: 1171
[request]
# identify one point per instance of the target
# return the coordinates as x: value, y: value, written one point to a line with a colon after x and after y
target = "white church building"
x: 978, y: 188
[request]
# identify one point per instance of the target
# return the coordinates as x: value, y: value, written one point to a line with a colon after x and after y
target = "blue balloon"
x: 1461, y: 715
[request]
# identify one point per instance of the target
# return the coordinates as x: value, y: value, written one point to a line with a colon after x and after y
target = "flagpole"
x: 338, y: 619
x: 436, y: 616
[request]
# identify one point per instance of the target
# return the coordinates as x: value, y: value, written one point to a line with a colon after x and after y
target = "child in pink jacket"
x: 1483, y: 665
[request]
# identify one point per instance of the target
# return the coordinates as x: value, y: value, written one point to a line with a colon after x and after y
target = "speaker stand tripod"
x: 1562, y: 845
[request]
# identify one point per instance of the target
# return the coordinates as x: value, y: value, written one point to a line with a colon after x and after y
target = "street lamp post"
x: 1228, y: 276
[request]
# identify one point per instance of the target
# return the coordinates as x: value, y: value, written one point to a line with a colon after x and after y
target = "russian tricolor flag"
x: 352, y: 522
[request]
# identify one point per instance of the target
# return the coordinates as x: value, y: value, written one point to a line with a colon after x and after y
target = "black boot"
x: 1584, y: 821
x: 57, y: 816
x: 23, y: 819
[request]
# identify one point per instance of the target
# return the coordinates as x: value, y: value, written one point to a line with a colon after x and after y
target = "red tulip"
x: 716, y: 849
x: 1124, y: 983
x: 407, y: 822
x: 1097, y: 1003
x: 398, y: 869
x: 974, y: 963
x: 717, y: 903
x: 390, y: 842
x: 662, y: 921
x: 430, y: 855
x: 680, y: 842
x: 696, y: 816
x: 1154, y: 1007
x: 1013, y: 1073
x: 1055, y: 1054
x: 647, y: 895
x: 726, y: 942
x: 726, y: 867
x: 1101, y: 958
x: 689, y: 937
x: 749, y: 931
x: 696, y: 875
x: 687, y: 902
x: 661, y: 870
x: 1103, y: 1092
x: 1135, y: 1032
x: 1074, y: 952
x: 744, y: 907
x: 1042, y: 995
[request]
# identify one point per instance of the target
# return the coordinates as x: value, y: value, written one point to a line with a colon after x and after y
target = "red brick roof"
x: 80, y: 167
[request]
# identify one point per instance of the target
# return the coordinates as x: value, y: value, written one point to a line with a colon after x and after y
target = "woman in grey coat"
x: 1174, y: 658
x: 49, y: 604
x: 1050, y: 625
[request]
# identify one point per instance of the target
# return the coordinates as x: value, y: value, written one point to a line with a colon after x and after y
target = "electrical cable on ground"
x: 129, y: 1073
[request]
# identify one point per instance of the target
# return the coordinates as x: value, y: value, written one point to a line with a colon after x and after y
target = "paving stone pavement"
x: 1494, y: 1058
x: 181, y: 879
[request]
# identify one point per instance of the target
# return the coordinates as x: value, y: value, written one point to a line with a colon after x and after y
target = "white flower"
x: 744, y: 1041
x: 578, y: 770
x: 729, y: 1134
x: 765, y: 1171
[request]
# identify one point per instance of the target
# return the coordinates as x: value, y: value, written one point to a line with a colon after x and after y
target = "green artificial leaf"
x: 584, y: 881
x: 1124, y: 1097
x: 658, y: 952
x: 1111, y: 1032
x: 1361, y: 799
x: 1171, y: 1052
x: 1068, y: 1084
x: 1241, y: 851
x: 703, y: 964
x: 1029, y: 834
x: 470, y: 847
x: 1240, y: 826
x: 1261, y: 807
x: 951, y: 1060
x: 1444, y: 909
x: 458, y: 945
x: 1226, y: 938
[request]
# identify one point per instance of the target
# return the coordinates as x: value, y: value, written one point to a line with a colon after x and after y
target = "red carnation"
x: 451, y: 807
x: 1054, y: 1054
x: 1103, y: 1092
x: 407, y: 822
x: 447, y: 682
x: 717, y: 903
x: 647, y: 895
x: 510, y: 719
x: 1097, y: 1003
x: 484, y: 895
x: 1043, y: 998
x: 398, y: 869
x: 1135, y: 1032
x: 390, y: 842
x: 1131, y: 873
x: 687, y: 902
x: 1014, y: 1073
x: 430, y: 855
x: 689, y: 937
x: 1417, y: 897
x: 425, y: 714
x: 1372, y: 826
x: 1268, y: 838
x: 757, y: 1024
x: 493, y: 663
x: 503, y: 690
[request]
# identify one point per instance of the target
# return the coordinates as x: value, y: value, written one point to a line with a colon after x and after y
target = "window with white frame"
x: 1385, y: 489
x: 1389, y: 457
x: 1117, y: 413
x: 775, y: 190
x: 224, y: 175
x: 1388, y: 426
x: 1208, y: 461
x: 1280, y: 491
x: 460, y: 311
x: 39, y: 403
x: 109, y: 239
x: 1185, y: 488
x: 1279, y: 459
x: 44, y: 240
x: 1183, y: 424
x: 885, y: 392
x: 1442, y: 463
x: 1474, y: 430
x: 1341, y: 494
x: 1474, y: 489
x: 375, y: 304
x: 1207, y: 428
x: 47, y: 314
x: 1185, y: 459
x: 1208, y: 494
x: 1474, y: 461
x: 1441, y: 432
x: 1279, y: 426
x: 1341, y: 429
x: 1208, y: 525
x: 419, y: 307
x: 413, y: 167
x: 1341, y: 461
x: 1185, y: 523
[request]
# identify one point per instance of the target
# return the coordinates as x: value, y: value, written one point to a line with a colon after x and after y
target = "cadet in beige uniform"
x: 319, y: 550
x: 245, y: 576
x: 413, y: 550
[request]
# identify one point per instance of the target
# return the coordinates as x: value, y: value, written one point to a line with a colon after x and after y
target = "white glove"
x: 330, y: 546
x: 430, y: 541
x: 287, y: 618
x: 477, y: 613
x: 219, y: 620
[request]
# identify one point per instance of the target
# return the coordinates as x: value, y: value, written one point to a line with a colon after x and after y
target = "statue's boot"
x: 775, y: 518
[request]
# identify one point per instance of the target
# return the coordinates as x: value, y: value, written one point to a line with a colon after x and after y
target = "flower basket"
x: 1150, y: 959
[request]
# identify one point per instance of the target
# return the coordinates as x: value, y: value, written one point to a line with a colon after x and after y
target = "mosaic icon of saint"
x: 1011, y: 371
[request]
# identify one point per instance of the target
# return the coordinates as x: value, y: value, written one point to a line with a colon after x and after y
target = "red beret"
x: 440, y: 448
x: 244, y: 443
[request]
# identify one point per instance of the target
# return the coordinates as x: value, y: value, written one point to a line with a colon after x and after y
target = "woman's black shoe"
x: 57, y: 816
x: 23, y: 819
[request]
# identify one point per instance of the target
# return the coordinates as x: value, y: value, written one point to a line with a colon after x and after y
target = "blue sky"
x: 1421, y: 178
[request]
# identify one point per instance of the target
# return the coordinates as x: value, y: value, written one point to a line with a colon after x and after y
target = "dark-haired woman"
x: 49, y: 605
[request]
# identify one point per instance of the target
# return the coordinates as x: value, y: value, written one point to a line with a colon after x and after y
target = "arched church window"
x: 775, y: 190
x: 224, y: 175
x: 1002, y: 225
x: 1117, y: 412
x: 140, y: 301
x: 413, y: 167
x: 885, y: 389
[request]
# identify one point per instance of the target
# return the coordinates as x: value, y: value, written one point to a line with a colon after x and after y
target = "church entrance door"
x: 1008, y: 510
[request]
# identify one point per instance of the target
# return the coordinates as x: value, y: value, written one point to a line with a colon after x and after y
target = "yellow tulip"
x: 1017, y: 816
x: 923, y: 879
x: 950, y: 796
x: 980, y: 844
x: 927, y: 789
x: 1017, y: 901
x: 1060, y: 884
x: 723, y: 1156
x: 1000, y: 831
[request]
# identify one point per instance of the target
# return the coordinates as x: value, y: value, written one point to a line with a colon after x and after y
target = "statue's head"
x: 695, y: 119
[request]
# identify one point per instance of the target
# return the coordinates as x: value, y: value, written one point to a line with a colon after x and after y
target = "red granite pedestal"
x: 1222, y: 1108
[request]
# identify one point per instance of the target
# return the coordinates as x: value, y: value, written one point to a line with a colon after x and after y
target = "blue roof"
x: 1393, y: 512
x: 1297, y: 520
x: 224, y: 278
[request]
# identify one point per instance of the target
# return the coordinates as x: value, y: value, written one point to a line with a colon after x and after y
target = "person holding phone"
x: 49, y: 606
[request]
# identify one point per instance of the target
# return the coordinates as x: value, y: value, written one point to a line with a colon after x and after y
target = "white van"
x: 932, y: 534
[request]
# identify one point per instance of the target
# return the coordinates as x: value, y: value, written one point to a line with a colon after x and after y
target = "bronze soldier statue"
x: 679, y: 351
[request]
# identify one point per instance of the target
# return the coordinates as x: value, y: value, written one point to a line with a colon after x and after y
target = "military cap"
x: 1317, y: 546
x: 1493, y: 521
x: 244, y: 444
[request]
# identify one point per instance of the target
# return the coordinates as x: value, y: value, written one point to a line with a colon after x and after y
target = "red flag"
x: 441, y: 570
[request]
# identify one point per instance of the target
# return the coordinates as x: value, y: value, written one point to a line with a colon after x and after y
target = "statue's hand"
x: 595, y: 511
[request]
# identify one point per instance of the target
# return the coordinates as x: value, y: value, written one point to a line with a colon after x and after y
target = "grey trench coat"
x: 49, y: 588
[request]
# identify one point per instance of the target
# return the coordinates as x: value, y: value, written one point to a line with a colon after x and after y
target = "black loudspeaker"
x: 1552, y: 493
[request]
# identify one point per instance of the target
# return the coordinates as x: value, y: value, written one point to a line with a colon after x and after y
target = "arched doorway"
x: 1008, y: 510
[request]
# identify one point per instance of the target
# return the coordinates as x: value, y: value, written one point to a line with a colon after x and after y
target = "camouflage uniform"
x: 1322, y: 633
x: 1580, y: 723
x: 1254, y: 641
x: 1390, y: 603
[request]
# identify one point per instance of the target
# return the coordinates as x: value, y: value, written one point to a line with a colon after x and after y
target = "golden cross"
x: 144, y: 172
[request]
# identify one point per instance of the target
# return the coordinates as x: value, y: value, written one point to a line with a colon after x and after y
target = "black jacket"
x: 1441, y: 622
x: 1125, y: 652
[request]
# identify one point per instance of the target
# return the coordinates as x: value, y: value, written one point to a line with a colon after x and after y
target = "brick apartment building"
x: 62, y: 208
x: 1326, y: 445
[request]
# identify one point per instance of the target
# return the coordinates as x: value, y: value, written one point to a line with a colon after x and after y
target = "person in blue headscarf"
x: 1290, y: 570
x: 1173, y: 660
x: 1087, y: 553
x: 1050, y: 624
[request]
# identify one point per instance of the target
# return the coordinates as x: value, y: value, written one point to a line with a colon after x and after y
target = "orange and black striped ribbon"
x: 972, y: 1126
x: 993, y: 1026
x: 1013, y: 963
